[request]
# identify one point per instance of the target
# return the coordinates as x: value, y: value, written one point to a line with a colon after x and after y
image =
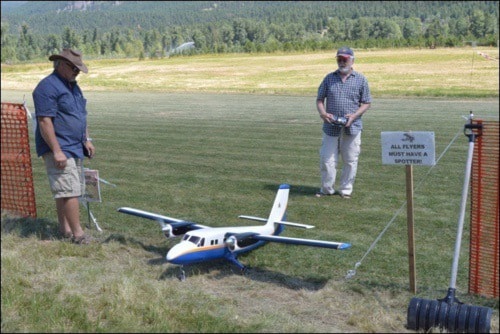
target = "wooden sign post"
x: 409, y: 148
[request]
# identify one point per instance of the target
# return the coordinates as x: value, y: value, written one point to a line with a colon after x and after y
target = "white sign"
x: 408, y: 148
x: 92, y: 188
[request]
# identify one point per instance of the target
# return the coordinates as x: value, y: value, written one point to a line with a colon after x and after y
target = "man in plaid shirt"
x: 348, y: 97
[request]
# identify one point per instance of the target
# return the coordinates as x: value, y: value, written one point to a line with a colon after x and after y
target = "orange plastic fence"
x: 18, y: 193
x: 484, y: 238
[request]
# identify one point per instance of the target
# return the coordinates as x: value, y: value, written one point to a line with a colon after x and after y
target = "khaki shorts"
x: 67, y: 182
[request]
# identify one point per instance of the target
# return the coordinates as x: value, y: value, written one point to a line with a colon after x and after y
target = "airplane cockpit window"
x: 202, y: 243
x: 185, y: 237
x: 194, y: 239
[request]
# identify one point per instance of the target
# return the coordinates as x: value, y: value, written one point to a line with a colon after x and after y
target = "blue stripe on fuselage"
x: 201, y: 254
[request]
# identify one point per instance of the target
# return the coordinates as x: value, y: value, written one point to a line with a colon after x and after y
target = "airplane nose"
x: 174, y: 253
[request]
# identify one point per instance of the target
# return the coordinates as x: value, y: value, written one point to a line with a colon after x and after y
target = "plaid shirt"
x: 344, y: 98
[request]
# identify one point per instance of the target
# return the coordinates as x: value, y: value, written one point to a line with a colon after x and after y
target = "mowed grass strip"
x: 450, y: 72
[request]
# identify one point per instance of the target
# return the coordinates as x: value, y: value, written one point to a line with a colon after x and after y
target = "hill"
x: 116, y: 29
x: 52, y: 16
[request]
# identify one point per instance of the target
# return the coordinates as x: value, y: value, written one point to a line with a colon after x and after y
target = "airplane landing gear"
x: 182, y: 275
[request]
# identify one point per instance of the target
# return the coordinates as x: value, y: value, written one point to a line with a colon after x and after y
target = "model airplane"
x: 203, y: 243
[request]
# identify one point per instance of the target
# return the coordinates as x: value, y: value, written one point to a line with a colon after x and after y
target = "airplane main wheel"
x: 244, y: 271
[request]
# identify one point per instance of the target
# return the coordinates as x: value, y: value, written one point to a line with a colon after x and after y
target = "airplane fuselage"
x: 211, y: 244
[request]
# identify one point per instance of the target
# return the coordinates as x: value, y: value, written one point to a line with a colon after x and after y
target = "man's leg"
x: 328, y: 163
x: 68, y: 214
x: 350, y: 148
x: 67, y: 186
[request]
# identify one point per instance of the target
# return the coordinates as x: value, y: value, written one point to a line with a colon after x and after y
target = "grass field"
x: 209, y: 157
x: 456, y: 72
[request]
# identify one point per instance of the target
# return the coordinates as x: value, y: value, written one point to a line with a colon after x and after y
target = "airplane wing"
x: 304, y: 242
x: 162, y: 220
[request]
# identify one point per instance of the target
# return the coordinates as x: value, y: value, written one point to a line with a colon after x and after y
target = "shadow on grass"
x: 44, y: 229
x: 295, y: 190
x: 148, y: 248
x: 218, y: 269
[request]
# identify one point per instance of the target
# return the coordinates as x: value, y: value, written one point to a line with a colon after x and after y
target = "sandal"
x: 65, y: 236
x: 83, y: 240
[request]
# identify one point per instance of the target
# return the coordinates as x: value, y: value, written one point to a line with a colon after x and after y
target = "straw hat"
x: 73, y: 56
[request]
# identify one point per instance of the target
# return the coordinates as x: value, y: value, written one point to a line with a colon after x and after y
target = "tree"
x: 461, y: 27
x: 53, y: 45
x: 70, y: 39
x: 227, y: 35
x: 477, y: 24
x: 336, y: 31
x: 361, y: 28
x: 240, y: 33
x: 199, y: 40
x: 412, y: 28
x: 436, y: 29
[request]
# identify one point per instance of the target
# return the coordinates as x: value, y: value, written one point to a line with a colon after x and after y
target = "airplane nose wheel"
x: 182, y: 275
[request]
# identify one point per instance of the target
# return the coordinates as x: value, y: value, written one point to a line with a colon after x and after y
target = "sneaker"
x: 320, y: 194
x: 83, y: 240
x: 345, y: 196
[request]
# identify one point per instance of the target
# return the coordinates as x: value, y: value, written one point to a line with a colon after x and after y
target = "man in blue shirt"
x: 62, y: 138
x: 348, y: 97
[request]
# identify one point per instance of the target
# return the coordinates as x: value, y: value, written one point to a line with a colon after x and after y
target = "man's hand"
x: 90, y: 149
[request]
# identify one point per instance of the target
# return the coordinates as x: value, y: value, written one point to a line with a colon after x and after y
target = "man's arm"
x: 361, y: 110
x: 49, y: 135
x: 88, y: 145
x: 320, y: 105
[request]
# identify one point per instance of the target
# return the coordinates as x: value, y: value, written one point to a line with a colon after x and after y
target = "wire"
x: 351, y: 273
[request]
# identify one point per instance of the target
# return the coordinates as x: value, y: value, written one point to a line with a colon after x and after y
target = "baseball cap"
x: 345, y: 52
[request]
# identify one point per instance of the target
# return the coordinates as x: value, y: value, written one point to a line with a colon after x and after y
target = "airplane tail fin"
x: 279, y: 207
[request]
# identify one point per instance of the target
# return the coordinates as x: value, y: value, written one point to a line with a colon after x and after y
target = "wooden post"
x: 409, y: 220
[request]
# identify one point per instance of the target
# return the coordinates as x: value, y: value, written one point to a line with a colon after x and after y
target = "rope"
x: 351, y: 273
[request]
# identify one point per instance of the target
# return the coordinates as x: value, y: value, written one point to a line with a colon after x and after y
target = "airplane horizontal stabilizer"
x: 304, y: 242
x: 295, y: 224
x: 264, y: 220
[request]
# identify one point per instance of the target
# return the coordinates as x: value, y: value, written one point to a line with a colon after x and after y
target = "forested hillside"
x: 32, y: 30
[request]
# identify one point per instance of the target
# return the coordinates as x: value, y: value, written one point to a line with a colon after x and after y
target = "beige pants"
x: 347, y: 147
x: 67, y: 182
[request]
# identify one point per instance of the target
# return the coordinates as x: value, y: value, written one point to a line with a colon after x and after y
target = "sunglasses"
x: 73, y: 67
x: 345, y: 58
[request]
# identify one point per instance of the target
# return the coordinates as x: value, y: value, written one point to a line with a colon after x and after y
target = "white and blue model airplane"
x: 203, y: 243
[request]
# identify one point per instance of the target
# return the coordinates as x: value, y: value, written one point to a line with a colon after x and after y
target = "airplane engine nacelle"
x: 170, y: 231
x: 237, y: 242
x: 167, y: 232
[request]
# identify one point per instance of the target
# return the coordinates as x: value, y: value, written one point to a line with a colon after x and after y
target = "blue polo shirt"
x: 63, y: 101
x: 344, y: 98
